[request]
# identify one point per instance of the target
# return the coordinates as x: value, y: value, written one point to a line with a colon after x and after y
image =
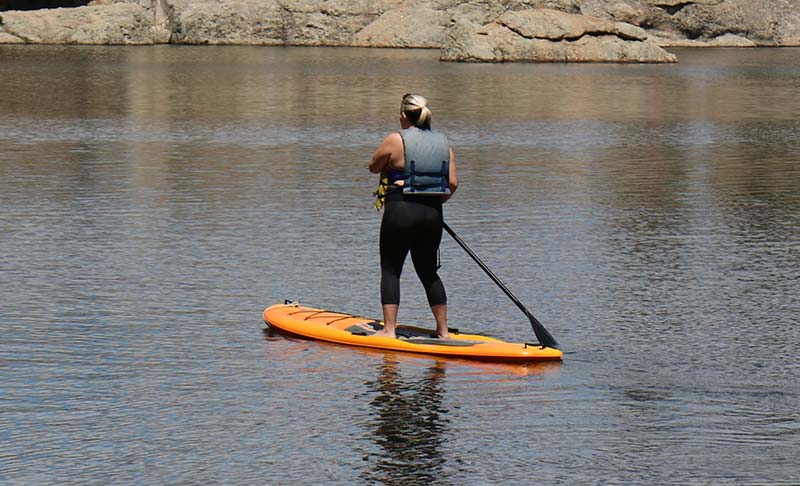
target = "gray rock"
x: 545, y: 35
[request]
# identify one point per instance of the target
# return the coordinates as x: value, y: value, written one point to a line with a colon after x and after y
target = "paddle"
x: 544, y: 337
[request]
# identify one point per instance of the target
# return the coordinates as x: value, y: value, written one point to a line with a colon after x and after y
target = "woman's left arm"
x: 452, y: 176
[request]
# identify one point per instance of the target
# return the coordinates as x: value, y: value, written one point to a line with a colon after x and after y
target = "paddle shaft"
x: 544, y: 337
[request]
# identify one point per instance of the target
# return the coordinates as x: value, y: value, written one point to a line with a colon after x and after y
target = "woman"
x: 421, y: 170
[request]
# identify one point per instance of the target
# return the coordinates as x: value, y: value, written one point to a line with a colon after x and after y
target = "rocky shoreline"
x: 473, y: 31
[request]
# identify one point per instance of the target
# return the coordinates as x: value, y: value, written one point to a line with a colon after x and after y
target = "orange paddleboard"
x: 335, y: 327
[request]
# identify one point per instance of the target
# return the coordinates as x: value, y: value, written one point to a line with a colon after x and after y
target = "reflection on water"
x: 410, y: 421
x: 154, y: 200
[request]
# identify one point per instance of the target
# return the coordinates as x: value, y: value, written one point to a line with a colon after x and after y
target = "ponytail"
x: 415, y: 107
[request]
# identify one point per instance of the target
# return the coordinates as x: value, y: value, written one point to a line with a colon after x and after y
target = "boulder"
x: 623, y: 12
x: 408, y: 26
x: 545, y: 35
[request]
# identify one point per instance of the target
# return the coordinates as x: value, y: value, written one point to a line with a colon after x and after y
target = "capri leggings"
x: 411, y: 224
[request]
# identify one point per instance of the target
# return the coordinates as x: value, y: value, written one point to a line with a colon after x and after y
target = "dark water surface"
x: 156, y: 199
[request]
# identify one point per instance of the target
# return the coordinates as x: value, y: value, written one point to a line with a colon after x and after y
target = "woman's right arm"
x: 391, y: 147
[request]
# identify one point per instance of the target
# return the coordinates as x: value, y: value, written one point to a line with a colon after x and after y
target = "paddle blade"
x: 544, y: 337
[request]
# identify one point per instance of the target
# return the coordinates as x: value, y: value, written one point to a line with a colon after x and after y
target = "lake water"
x: 156, y: 199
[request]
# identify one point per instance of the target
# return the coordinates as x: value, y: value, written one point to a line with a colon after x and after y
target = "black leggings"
x: 411, y: 223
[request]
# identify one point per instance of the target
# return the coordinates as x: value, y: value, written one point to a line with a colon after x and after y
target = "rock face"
x: 463, y: 28
x: 273, y: 22
x: 425, y: 24
x: 545, y: 35
x: 123, y: 23
x: 734, y: 23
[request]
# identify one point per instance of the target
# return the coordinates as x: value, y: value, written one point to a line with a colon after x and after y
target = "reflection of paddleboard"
x: 335, y: 327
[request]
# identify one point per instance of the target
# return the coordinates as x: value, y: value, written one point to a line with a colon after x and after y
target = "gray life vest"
x: 427, y: 162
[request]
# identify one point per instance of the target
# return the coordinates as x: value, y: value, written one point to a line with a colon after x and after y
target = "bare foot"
x: 444, y: 336
x: 384, y: 333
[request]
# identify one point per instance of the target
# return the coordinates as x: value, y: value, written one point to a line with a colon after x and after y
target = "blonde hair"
x: 415, y: 107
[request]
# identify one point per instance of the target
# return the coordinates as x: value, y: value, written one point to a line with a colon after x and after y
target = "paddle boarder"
x: 418, y: 174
